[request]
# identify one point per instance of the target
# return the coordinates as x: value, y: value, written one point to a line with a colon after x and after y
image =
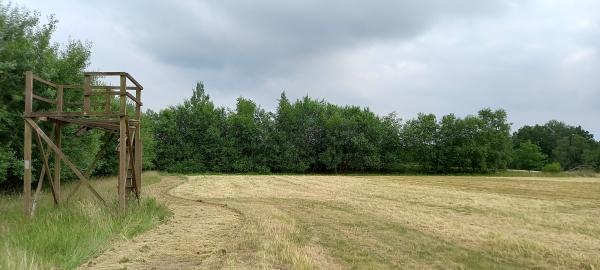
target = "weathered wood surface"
x: 89, y: 115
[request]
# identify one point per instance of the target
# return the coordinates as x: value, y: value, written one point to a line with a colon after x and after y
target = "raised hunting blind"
x: 89, y: 106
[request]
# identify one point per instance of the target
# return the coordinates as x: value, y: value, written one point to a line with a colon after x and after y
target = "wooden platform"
x: 95, y: 109
x: 111, y: 125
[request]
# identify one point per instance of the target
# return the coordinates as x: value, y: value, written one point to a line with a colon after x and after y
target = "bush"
x: 553, y: 167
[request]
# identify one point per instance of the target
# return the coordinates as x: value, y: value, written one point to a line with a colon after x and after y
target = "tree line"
x: 301, y: 136
x: 314, y: 136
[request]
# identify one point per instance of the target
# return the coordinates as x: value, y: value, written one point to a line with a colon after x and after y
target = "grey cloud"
x: 273, y: 35
x: 537, y: 59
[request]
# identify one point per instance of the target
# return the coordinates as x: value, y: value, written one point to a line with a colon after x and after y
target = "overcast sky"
x: 539, y: 60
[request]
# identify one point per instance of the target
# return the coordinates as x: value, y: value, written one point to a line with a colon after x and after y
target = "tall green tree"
x: 25, y: 44
x: 419, y: 139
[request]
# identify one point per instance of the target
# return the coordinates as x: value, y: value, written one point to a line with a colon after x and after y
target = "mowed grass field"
x: 407, y: 222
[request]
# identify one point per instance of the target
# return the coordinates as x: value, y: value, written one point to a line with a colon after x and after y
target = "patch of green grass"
x: 66, y: 236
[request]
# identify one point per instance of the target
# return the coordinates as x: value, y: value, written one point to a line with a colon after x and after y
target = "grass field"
x: 409, y: 222
x: 67, y: 236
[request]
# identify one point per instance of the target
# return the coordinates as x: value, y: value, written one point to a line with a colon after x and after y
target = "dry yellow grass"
x: 382, y: 222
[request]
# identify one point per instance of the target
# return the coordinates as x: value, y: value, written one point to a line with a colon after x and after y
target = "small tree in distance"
x: 529, y: 156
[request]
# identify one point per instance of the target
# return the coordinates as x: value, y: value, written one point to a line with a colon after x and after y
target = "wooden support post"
x: 122, y: 144
x: 57, y: 161
x: 28, y: 92
x: 60, y: 98
x: 27, y: 146
x: 27, y: 173
x: 87, y: 91
x: 137, y: 144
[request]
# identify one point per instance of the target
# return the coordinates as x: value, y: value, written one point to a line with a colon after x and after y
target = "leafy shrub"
x: 553, y: 167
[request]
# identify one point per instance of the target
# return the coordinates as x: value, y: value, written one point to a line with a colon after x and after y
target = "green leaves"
x: 570, y: 146
x: 529, y: 156
x: 25, y: 44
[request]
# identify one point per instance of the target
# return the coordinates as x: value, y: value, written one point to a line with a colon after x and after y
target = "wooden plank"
x: 37, y: 78
x: 57, y: 160
x: 132, y: 159
x: 138, y: 142
x: 59, y: 98
x: 123, y: 98
x: 137, y: 101
x: 104, y: 93
x: 112, y: 87
x: 70, y: 114
x: 68, y: 162
x: 40, y: 98
x: 122, y: 145
x: 28, y: 91
x: 122, y: 163
x: 134, y: 81
x: 27, y: 169
x: 104, y: 73
x: 46, y: 167
x: 89, y: 123
x: 101, y: 87
x: 87, y: 90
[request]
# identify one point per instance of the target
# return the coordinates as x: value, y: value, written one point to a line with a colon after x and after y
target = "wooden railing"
x: 86, y: 101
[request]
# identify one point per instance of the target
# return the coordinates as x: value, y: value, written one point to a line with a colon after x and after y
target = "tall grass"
x: 67, y: 236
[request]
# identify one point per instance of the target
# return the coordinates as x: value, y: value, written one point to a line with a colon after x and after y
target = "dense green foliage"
x: 315, y: 136
x: 310, y: 135
x: 553, y: 167
x: 529, y: 156
x: 25, y: 45
x: 572, y: 147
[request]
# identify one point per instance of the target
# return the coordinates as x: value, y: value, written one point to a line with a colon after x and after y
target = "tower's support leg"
x: 27, y: 172
x: 122, y: 164
x: 57, y: 160
x: 122, y: 145
x: 137, y: 146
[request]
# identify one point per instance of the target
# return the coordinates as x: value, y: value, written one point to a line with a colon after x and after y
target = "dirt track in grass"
x: 194, y: 237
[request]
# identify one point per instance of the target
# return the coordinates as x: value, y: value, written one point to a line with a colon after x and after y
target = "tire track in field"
x: 195, y: 237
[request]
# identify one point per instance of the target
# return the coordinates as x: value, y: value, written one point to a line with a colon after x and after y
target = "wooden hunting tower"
x: 88, y: 106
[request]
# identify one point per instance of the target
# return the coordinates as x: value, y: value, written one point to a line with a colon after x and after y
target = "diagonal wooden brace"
x: 57, y: 150
x: 92, y: 166
x: 132, y: 161
x: 45, y: 172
